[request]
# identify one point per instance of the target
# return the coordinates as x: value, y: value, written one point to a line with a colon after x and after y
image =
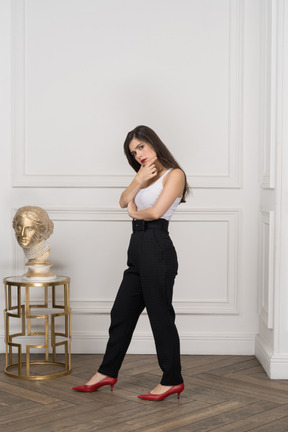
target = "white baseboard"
x: 263, y: 353
x: 276, y: 366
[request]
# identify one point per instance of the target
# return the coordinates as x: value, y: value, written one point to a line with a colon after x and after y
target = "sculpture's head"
x: 31, y: 226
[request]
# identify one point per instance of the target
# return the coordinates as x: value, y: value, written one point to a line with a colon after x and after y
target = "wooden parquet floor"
x: 222, y: 394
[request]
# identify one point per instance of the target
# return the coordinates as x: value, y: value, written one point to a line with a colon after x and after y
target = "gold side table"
x: 22, y: 315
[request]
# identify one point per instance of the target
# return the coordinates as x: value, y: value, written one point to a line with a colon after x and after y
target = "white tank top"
x: 147, y: 197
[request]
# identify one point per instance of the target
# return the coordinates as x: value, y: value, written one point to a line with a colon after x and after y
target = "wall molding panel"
x: 186, y: 306
x: 267, y: 258
x: 23, y: 177
x: 270, y: 76
x: 230, y: 217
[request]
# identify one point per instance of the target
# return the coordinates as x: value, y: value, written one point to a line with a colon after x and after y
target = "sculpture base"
x: 39, y: 272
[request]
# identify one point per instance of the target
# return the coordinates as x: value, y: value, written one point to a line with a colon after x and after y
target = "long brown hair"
x: 146, y: 134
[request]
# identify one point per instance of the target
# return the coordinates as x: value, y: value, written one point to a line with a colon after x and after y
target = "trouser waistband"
x: 142, y: 225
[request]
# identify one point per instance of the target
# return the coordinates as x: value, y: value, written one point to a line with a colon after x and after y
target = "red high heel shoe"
x: 158, y: 397
x: 89, y: 388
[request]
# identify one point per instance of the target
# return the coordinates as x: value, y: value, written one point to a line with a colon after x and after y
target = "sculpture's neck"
x: 36, y: 251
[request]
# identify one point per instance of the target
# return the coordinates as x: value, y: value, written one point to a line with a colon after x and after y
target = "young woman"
x: 152, y: 197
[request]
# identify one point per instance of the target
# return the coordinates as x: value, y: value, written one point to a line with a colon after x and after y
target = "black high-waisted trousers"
x: 147, y: 282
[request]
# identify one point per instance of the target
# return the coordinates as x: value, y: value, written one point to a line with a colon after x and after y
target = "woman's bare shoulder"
x: 176, y: 175
x: 177, y: 171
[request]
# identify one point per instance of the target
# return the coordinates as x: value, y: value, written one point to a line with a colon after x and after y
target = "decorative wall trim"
x: 232, y: 178
x: 269, y: 79
x: 231, y: 217
x: 266, y: 298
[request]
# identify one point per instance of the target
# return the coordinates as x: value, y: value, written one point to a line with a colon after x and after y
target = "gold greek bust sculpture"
x: 32, y: 227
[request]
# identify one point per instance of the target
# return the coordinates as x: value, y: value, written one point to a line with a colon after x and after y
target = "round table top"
x: 21, y: 281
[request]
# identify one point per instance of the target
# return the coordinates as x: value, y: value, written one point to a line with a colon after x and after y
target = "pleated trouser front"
x: 147, y: 282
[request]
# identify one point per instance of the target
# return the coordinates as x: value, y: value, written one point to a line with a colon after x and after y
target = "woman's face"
x: 141, y: 151
x: 26, y: 232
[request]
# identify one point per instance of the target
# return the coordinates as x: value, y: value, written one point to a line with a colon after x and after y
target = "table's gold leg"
x: 27, y: 360
x: 47, y: 338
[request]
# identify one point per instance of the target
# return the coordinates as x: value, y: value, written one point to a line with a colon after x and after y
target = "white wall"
x: 76, y: 76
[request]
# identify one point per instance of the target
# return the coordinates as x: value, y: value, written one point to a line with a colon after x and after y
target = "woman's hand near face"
x: 147, y: 171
